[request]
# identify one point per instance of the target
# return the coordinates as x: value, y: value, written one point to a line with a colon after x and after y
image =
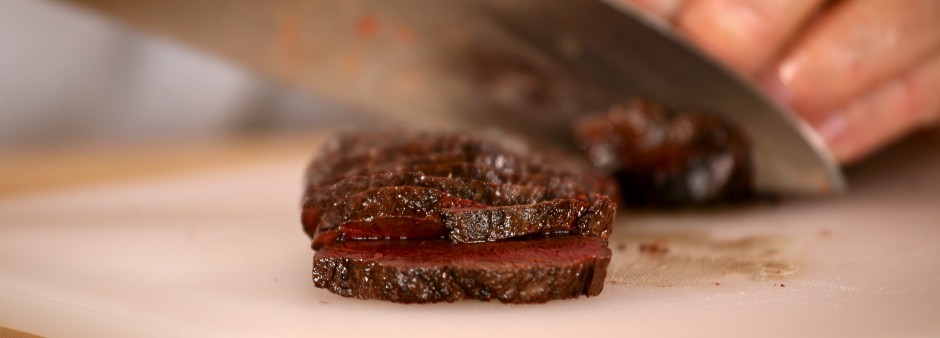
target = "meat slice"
x: 408, y: 212
x: 427, y: 217
x: 488, y: 224
x: 384, y: 213
x: 566, y: 183
x: 509, y: 160
x: 368, y: 149
x: 667, y: 158
x: 530, y: 271
x: 493, y: 194
x: 599, y: 218
x: 481, y: 191
x: 379, y: 157
x: 374, y: 193
x: 416, y: 142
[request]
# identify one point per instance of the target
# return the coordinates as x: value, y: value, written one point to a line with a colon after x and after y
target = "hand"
x: 861, y: 72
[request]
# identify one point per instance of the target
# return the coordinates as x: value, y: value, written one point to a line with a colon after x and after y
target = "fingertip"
x: 775, y: 88
x: 728, y: 32
x: 832, y: 130
x: 887, y: 114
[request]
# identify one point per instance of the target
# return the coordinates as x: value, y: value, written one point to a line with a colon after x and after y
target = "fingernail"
x: 832, y: 128
x: 775, y: 88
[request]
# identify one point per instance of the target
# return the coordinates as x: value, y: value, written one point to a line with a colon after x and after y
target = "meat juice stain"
x: 670, y: 259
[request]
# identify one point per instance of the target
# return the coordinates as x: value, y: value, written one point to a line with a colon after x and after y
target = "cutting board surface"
x: 220, y: 253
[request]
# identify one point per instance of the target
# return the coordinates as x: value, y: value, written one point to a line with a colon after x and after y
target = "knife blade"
x: 530, y: 65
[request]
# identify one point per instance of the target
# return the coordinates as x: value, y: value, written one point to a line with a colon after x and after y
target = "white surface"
x: 221, y: 254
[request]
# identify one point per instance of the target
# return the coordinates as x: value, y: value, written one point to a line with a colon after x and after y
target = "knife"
x: 528, y: 65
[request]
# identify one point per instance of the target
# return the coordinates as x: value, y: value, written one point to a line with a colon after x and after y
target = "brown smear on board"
x: 669, y: 259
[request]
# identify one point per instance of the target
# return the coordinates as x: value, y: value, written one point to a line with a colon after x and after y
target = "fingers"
x: 854, y: 48
x: 745, y: 34
x: 892, y: 110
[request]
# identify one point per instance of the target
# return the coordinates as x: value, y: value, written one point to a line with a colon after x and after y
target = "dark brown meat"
x: 408, y: 212
x: 599, y: 218
x: 566, y: 183
x: 343, y: 164
x: 481, y: 192
x: 446, y: 154
x: 477, y: 190
x: 384, y: 213
x: 488, y: 224
x: 422, y: 217
x: 531, y: 271
x: 399, y: 141
x: 666, y: 158
x: 418, y: 185
x: 504, y: 173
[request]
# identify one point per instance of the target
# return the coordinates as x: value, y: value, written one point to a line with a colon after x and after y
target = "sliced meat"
x: 409, y: 212
x: 599, y: 218
x: 489, y: 224
x: 564, y: 183
x: 530, y: 271
x: 339, y: 165
x: 357, y: 165
x: 480, y: 191
x: 509, y: 160
x: 422, y: 217
x: 379, y: 147
x: 667, y: 158
x: 383, y: 213
x: 354, y: 143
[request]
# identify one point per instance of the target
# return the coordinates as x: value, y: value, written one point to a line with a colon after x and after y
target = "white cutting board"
x: 221, y: 253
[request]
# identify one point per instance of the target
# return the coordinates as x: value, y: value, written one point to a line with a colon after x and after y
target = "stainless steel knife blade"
x: 529, y: 65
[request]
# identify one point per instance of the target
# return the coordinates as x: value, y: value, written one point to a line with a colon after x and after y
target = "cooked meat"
x: 386, y: 213
x: 526, y: 174
x: 451, y: 155
x: 406, y: 201
x: 481, y: 192
x: 421, y: 217
x: 599, y: 217
x: 408, y: 212
x: 477, y: 190
x: 389, y: 157
x: 488, y: 224
x: 363, y: 151
x: 666, y: 158
x: 530, y: 271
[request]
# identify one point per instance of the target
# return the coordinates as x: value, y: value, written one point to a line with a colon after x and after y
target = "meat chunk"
x: 505, y: 172
x: 667, y: 158
x: 407, y: 212
x: 422, y: 217
x: 372, y: 195
x: 481, y: 191
x: 386, y: 213
x: 451, y: 155
x: 530, y: 271
x: 469, y: 225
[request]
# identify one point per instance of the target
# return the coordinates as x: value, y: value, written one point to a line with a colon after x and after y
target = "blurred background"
x: 87, y: 98
x: 71, y: 75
